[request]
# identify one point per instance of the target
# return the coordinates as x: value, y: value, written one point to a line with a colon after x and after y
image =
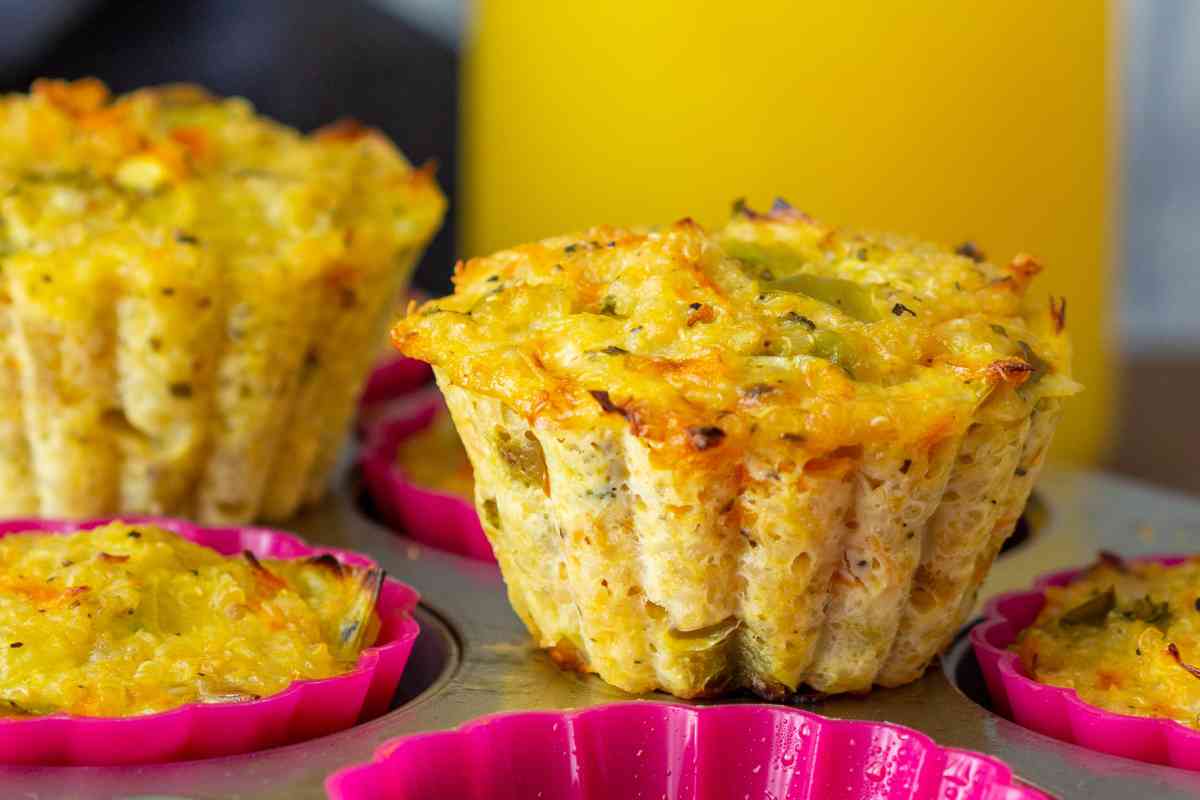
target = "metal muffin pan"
x: 474, y: 658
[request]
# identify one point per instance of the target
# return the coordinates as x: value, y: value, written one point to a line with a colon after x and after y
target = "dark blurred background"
x: 607, y: 106
x: 302, y: 63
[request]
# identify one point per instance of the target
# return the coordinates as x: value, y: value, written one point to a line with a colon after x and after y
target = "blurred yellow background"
x: 989, y: 121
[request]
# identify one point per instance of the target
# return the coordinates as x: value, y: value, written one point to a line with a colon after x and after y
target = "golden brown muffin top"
x: 775, y: 328
x: 176, y: 167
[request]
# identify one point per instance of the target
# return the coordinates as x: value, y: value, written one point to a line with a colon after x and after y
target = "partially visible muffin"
x: 770, y: 456
x: 1125, y: 636
x: 192, y: 297
x: 124, y: 620
x: 434, y: 458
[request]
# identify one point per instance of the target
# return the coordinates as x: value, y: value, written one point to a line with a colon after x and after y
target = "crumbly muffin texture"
x: 192, y: 295
x: 770, y: 455
x: 1125, y: 636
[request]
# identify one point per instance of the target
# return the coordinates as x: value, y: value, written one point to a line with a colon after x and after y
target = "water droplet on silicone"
x: 756, y: 769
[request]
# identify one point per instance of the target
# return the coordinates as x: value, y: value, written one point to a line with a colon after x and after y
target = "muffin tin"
x: 473, y: 658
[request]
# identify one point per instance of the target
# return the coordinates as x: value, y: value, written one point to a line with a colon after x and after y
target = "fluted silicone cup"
x: 1059, y: 712
x: 655, y: 750
x: 391, y: 391
x: 394, y: 377
x: 434, y: 518
x: 304, y: 710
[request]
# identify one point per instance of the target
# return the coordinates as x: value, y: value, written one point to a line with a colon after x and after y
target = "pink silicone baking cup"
x: 392, y: 389
x: 395, y: 376
x: 1058, y: 712
x: 656, y: 750
x: 434, y: 518
x: 304, y: 710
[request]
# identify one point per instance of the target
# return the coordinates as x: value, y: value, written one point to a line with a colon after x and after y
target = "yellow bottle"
x: 986, y: 121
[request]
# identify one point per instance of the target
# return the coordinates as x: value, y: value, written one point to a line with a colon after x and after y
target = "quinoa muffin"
x: 191, y: 298
x: 769, y: 456
x: 1125, y: 636
x: 123, y: 620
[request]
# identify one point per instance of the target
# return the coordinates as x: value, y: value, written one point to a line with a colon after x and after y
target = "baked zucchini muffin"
x: 133, y: 619
x: 767, y: 456
x: 1125, y: 636
x: 191, y: 298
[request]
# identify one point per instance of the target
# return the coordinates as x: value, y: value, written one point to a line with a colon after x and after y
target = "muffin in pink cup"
x: 647, y: 749
x: 418, y: 476
x: 1102, y: 657
x: 149, y: 639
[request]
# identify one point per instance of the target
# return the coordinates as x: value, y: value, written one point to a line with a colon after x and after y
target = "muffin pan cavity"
x: 1033, y: 520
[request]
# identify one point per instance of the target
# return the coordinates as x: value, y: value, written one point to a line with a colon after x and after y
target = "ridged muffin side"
x: 698, y: 515
x: 853, y: 572
x: 192, y: 299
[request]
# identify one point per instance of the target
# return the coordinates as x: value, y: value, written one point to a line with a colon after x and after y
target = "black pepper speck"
x: 706, y: 437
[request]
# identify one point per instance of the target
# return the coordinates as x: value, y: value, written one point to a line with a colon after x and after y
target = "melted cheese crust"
x: 178, y: 169
x: 125, y: 620
x: 774, y: 329
x: 1115, y: 649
